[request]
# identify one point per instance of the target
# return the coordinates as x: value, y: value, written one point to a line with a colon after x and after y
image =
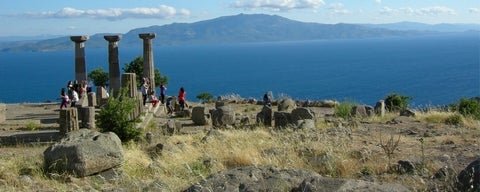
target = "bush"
x: 396, y: 102
x: 116, y: 117
x: 205, y: 97
x: 344, y: 110
x: 469, y: 108
x: 454, y: 119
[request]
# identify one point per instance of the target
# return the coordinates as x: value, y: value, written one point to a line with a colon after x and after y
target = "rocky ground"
x: 438, y: 144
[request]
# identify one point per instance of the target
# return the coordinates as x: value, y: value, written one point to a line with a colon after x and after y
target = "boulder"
x: 201, y: 115
x: 361, y: 111
x: 251, y: 178
x: 407, y: 113
x: 469, y: 178
x: 84, y: 152
x: 306, y: 124
x: 324, y: 184
x: 286, y: 105
x: 283, y: 119
x: 223, y: 116
x: 265, y: 116
x: 302, y: 113
x: 268, y: 178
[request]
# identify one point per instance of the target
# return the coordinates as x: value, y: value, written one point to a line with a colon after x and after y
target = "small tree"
x: 205, y: 97
x: 99, y: 77
x: 116, y: 117
x: 396, y: 102
x: 469, y: 107
x: 136, y: 66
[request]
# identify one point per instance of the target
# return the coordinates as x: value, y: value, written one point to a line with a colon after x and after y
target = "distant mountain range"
x: 243, y: 28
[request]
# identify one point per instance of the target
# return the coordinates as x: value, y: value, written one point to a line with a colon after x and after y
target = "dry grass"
x: 186, y: 159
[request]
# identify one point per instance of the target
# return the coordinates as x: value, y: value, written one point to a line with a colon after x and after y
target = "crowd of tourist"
x: 74, y: 92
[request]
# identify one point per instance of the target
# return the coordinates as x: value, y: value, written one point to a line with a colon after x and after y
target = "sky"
x: 88, y: 17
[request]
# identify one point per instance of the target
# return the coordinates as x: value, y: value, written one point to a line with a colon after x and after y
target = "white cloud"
x: 474, y: 10
x: 278, y: 5
x: 161, y: 12
x: 436, y: 10
x: 378, y: 1
x: 338, y: 9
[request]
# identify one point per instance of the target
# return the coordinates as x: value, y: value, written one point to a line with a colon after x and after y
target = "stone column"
x: 113, y: 64
x: 380, y: 108
x: 129, y: 81
x: 68, y: 120
x: 87, y: 115
x: 80, y: 67
x: 148, y: 70
x: 92, y: 99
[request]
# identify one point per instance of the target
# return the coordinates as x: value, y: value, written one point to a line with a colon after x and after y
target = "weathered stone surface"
x: 252, y: 179
x: 265, y: 116
x: 269, y: 178
x: 68, y: 120
x: 84, y: 152
x: 407, y: 113
x: 469, y: 178
x: 92, y: 99
x: 201, y: 115
x: 287, y: 105
x: 324, y: 184
x: 302, y: 113
x: 223, y: 116
x: 361, y: 111
x: 87, y: 117
x: 305, y: 124
x: 102, y: 95
x: 172, y: 127
x: 283, y: 119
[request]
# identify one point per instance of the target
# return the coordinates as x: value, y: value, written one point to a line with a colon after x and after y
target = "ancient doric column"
x: 113, y: 64
x: 148, y: 70
x: 129, y: 80
x: 80, y: 67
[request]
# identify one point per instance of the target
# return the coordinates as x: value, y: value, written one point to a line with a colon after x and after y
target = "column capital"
x: 79, y: 39
x: 146, y: 36
x: 112, y: 38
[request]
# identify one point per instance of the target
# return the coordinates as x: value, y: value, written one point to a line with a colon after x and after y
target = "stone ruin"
x: 83, y: 116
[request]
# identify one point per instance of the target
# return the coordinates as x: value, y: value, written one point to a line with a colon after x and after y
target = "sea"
x: 434, y: 70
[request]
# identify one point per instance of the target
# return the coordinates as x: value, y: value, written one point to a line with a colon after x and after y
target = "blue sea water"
x: 434, y: 70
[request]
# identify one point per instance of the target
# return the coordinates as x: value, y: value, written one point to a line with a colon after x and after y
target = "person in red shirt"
x: 181, y: 98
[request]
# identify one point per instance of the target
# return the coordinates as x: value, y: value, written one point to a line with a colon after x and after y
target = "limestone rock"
x: 265, y: 116
x: 84, y: 152
x: 223, y: 116
x: 283, y: 119
x: 268, y: 178
x: 324, y: 184
x: 287, y: 105
x: 302, y: 113
x: 200, y: 115
x: 469, y: 178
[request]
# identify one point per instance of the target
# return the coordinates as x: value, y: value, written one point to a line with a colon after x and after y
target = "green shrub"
x: 454, y: 119
x: 344, y: 110
x: 469, y: 108
x: 396, y: 102
x: 116, y: 117
x: 32, y: 126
